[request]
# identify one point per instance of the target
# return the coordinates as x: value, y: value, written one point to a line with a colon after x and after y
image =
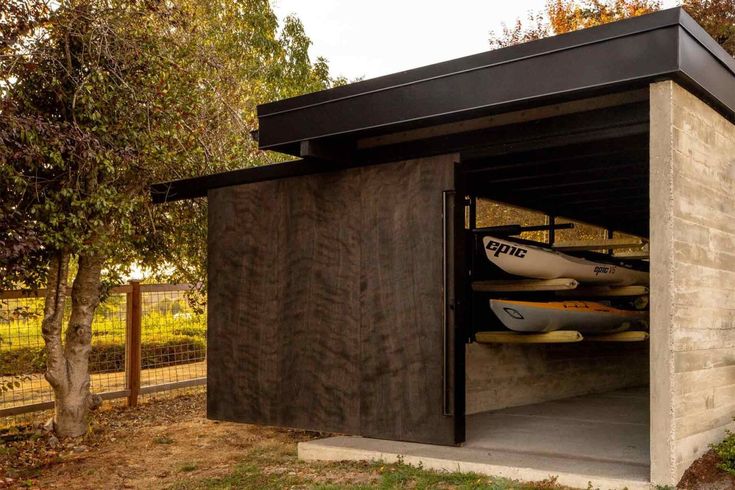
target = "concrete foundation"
x: 599, y: 439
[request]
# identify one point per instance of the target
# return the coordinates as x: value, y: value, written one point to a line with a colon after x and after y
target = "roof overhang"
x: 565, y: 120
x: 606, y: 59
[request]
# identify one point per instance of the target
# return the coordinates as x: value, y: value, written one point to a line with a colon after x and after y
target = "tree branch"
x: 53, y: 316
x: 85, y: 296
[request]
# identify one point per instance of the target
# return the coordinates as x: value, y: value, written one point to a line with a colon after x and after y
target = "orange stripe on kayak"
x: 569, y: 306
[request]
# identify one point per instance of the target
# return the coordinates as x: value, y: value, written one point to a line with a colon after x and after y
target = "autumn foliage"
x: 561, y: 16
x: 570, y: 15
x: 718, y: 19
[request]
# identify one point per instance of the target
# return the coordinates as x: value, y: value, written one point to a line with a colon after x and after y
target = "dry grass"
x: 168, y: 444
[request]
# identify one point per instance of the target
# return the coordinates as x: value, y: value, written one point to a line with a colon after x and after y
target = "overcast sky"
x: 369, y: 38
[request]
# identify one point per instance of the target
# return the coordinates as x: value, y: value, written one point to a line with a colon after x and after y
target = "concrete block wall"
x: 503, y: 375
x: 693, y: 279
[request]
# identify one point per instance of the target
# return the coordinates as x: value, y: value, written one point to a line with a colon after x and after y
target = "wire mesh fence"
x: 21, y: 352
x: 169, y: 351
x: 174, y: 341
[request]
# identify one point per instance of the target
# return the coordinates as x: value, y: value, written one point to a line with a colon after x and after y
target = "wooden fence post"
x: 133, y: 323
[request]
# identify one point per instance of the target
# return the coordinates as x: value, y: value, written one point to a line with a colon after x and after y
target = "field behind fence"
x: 146, y: 338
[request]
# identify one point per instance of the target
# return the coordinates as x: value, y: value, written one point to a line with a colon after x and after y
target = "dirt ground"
x: 704, y: 474
x: 167, y: 443
x: 153, y: 446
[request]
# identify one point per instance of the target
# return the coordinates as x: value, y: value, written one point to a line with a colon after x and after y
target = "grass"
x: 164, y: 439
x: 187, y: 467
x: 276, y: 467
x: 251, y: 475
x: 171, y: 316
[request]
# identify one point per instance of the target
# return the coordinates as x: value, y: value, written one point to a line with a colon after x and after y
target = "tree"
x: 535, y: 27
x: 571, y: 15
x: 718, y: 19
x: 560, y: 16
x: 101, y: 98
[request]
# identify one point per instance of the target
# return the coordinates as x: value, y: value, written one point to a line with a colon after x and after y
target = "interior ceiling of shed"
x: 602, y: 182
x: 586, y: 160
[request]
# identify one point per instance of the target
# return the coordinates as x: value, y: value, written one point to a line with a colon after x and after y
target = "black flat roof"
x: 329, y: 129
x: 632, y: 53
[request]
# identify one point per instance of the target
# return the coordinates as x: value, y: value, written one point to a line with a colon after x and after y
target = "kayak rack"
x: 629, y: 336
x: 518, y: 285
x: 606, y: 291
x: 609, y: 244
x: 557, y: 337
x: 563, y: 286
x: 510, y: 230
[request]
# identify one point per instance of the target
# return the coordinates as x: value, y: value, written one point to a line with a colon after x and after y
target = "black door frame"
x: 460, y: 303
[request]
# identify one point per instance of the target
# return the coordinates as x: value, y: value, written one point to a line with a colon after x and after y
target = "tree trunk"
x: 68, y: 369
x: 53, y: 314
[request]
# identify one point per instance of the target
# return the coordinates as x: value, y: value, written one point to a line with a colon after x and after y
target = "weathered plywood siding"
x: 500, y: 376
x: 325, y: 301
x: 401, y: 297
x: 284, y: 306
x: 693, y: 289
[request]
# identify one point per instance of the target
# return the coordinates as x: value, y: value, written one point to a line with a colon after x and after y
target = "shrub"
x: 109, y: 356
x: 190, y: 331
x: 168, y: 351
x: 726, y: 451
x: 25, y: 360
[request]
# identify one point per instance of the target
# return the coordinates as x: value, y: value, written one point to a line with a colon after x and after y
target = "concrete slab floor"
x: 611, y: 427
x: 599, y: 439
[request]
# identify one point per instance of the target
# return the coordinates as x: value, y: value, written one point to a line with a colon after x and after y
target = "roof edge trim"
x: 636, y: 25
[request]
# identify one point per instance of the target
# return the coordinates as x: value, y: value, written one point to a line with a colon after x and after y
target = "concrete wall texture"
x: 692, y: 279
x: 506, y: 375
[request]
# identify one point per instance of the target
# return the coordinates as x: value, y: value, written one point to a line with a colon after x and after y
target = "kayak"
x: 582, y: 316
x: 540, y: 263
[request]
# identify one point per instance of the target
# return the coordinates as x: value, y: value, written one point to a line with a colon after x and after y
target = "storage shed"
x: 343, y: 286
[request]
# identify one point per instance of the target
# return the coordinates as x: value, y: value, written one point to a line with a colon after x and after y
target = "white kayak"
x: 539, y: 263
x: 582, y: 316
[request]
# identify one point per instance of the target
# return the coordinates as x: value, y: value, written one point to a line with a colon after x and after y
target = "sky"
x: 369, y: 38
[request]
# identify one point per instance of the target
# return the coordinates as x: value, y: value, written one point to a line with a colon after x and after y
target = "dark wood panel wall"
x: 401, y: 300
x: 283, y: 334
x: 325, y: 302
